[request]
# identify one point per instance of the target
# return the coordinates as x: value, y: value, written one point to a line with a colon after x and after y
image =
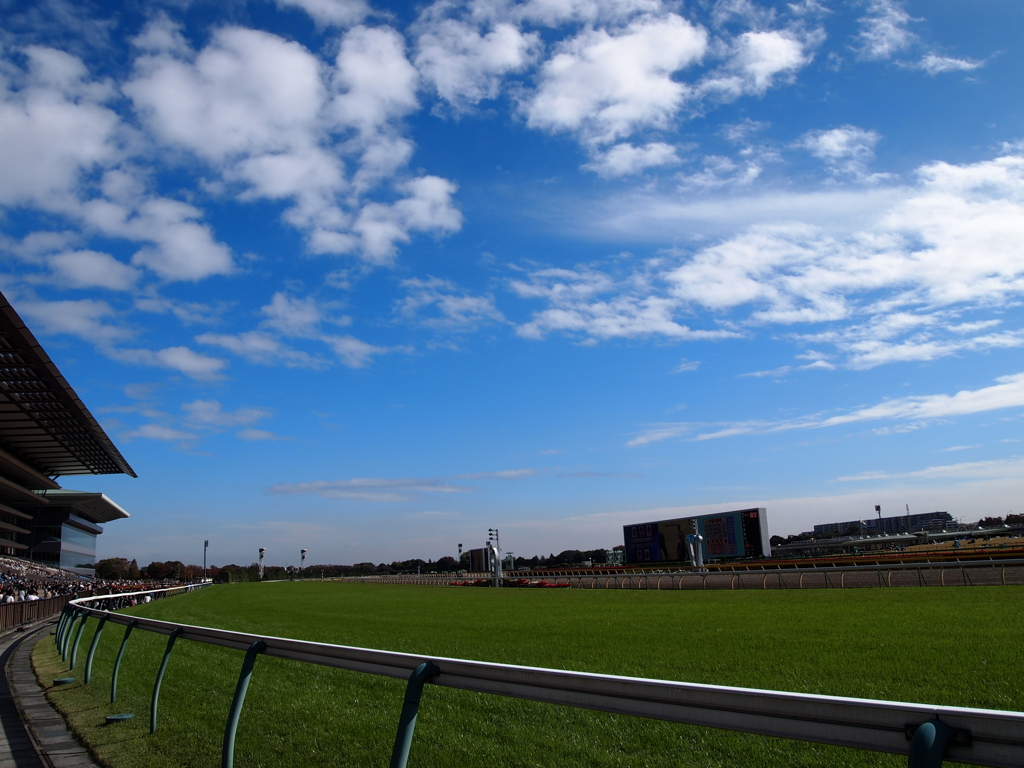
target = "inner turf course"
x: 954, y: 646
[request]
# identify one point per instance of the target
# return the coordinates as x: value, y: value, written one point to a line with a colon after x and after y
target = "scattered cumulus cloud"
x: 439, y: 303
x: 884, y: 30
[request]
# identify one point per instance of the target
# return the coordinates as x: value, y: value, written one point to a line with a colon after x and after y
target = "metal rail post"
x: 227, y: 759
x: 68, y: 629
x: 92, y: 649
x: 410, y: 708
x: 117, y: 662
x: 928, y: 745
x: 160, y: 678
x: 78, y: 639
x: 60, y: 624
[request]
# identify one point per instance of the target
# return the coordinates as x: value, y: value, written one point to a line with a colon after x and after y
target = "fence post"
x: 928, y: 744
x: 92, y: 648
x: 227, y: 759
x: 68, y: 629
x: 78, y: 639
x: 410, y: 708
x: 117, y: 662
x: 160, y: 678
x: 61, y: 623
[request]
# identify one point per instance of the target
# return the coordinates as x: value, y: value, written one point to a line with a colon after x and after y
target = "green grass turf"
x: 953, y: 646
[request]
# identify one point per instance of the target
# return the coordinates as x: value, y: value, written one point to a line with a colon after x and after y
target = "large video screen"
x: 727, y: 535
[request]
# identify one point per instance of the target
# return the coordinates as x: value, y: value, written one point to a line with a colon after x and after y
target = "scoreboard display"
x: 727, y: 535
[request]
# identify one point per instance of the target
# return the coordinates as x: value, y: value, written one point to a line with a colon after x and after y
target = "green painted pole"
x: 160, y: 678
x: 92, y: 649
x: 117, y: 662
x: 67, y: 635
x: 928, y: 745
x: 227, y: 759
x: 60, y: 625
x: 410, y: 708
x: 78, y: 639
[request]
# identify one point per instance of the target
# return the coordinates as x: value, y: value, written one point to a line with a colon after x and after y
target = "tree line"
x: 122, y: 569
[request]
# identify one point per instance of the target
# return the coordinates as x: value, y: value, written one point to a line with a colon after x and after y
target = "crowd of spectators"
x: 24, y: 581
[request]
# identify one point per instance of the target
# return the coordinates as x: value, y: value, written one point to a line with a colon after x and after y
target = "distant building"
x: 46, y: 432
x: 888, y: 526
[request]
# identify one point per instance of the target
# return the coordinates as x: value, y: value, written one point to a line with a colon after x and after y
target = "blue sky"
x: 369, y: 280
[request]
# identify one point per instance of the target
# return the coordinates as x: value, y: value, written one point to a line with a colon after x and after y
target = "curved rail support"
x: 227, y: 759
x: 160, y: 678
x: 68, y: 629
x: 410, y: 708
x: 92, y: 648
x: 78, y: 639
x: 928, y: 745
x: 117, y: 663
x: 61, y: 622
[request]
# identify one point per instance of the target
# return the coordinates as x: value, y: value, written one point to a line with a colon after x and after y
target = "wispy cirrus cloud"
x: 394, y: 490
x: 996, y: 468
x: 1008, y: 392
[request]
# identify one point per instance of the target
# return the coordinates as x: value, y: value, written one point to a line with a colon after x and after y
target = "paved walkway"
x: 32, y: 733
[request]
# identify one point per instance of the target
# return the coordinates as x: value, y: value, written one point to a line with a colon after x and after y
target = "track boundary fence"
x: 925, y: 733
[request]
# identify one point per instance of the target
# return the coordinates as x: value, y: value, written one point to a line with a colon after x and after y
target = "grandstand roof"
x: 45, y: 429
x: 95, y: 507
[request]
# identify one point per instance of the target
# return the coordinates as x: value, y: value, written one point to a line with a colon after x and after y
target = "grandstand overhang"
x: 94, y: 507
x: 45, y: 429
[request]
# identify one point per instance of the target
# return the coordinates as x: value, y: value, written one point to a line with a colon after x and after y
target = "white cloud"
x: 292, y: 316
x: 606, y: 86
x: 353, y: 352
x: 554, y: 13
x: 55, y: 126
x: 758, y: 59
x: 209, y: 413
x: 440, y: 304
x: 376, y: 80
x: 253, y: 435
x: 846, y: 149
x: 996, y: 468
x: 884, y: 30
x: 577, y: 308
x: 465, y: 65
x: 84, y: 318
x: 297, y: 318
x: 686, y: 365
x: 901, y: 273
x: 934, y: 64
x: 261, y: 348
x: 1008, y: 392
x: 182, y: 359
x: 385, y: 490
x: 331, y: 13
x: 276, y: 122
x: 625, y: 159
x: 92, y: 269
x: 160, y: 432
x: 427, y: 208
x: 394, y: 489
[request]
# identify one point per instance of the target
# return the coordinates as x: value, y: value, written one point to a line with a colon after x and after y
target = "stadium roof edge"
x: 43, y: 422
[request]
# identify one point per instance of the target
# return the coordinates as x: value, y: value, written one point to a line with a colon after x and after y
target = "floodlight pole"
x: 302, y: 562
x: 206, y: 545
x: 263, y: 552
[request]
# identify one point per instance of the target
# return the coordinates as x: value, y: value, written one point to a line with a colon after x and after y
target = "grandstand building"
x: 888, y: 526
x: 46, y: 433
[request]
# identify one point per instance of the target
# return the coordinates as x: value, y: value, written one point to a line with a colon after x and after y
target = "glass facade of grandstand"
x: 928, y: 521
